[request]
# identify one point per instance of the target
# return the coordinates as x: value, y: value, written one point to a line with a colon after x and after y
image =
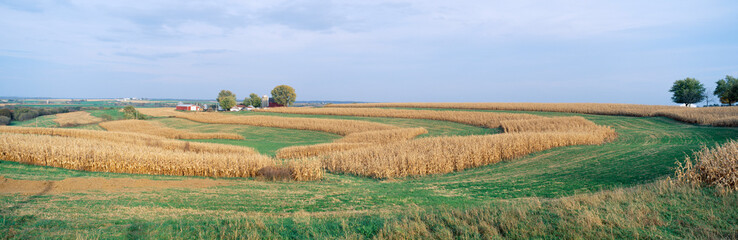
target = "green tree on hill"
x: 727, y: 90
x: 687, y: 91
x: 284, y: 95
x: 226, y: 99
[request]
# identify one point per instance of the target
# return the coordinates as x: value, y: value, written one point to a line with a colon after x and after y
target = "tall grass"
x: 481, y: 119
x: 713, y: 167
x: 448, y: 154
x: 716, y: 116
x: 146, y: 127
x: 76, y: 118
x: 337, y: 126
x: 132, y: 138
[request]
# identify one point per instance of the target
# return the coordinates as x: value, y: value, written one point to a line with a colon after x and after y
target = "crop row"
x: 716, y: 116
x: 337, y: 126
x: 447, y: 154
x: 148, y: 127
x: 481, y: 119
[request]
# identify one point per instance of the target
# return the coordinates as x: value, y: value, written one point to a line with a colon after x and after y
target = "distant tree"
x: 284, y: 95
x: 727, y: 90
x: 226, y: 99
x: 4, y: 120
x: 227, y: 103
x: 255, y: 100
x: 687, y: 91
x: 6, y: 112
x: 130, y: 112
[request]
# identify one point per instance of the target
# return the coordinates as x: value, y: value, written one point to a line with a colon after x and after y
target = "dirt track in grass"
x: 12, y: 186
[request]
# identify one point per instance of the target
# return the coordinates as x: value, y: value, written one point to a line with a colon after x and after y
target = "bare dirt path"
x: 11, y: 186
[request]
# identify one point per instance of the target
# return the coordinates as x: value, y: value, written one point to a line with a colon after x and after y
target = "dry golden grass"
x: 118, y: 157
x: 337, y: 126
x: 132, y: 138
x: 447, y: 154
x: 717, y: 116
x: 146, y: 127
x: 76, y: 118
x: 712, y: 167
x: 481, y: 119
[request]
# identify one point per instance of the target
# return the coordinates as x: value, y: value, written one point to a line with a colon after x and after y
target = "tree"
x: 284, y: 95
x: 227, y: 102
x: 253, y: 100
x: 130, y: 112
x: 6, y: 112
x: 687, y: 91
x: 727, y: 90
x: 226, y: 99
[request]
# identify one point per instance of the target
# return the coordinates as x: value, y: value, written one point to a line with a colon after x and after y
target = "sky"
x: 371, y: 51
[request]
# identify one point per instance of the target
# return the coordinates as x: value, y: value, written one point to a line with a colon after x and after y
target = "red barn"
x: 188, y: 107
x: 272, y: 103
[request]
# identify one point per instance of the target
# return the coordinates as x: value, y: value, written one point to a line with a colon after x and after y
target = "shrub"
x: 712, y: 167
x: 4, y: 120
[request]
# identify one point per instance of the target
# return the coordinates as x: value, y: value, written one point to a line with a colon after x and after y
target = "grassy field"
x: 42, y: 121
x: 435, y: 128
x: 115, y: 113
x: 264, y: 139
x: 544, y: 194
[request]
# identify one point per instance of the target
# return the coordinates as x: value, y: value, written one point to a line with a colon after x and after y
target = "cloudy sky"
x: 408, y: 51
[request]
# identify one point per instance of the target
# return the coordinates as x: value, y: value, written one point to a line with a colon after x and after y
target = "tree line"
x: 690, y: 91
x: 282, y: 94
x: 25, y: 113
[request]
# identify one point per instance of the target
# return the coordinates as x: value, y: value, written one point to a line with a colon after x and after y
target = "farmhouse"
x: 187, y: 107
x: 238, y: 108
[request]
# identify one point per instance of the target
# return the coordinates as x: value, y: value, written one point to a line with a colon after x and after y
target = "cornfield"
x: 99, y: 155
x: 383, y: 136
x: 317, y: 149
x: 116, y: 157
x: 337, y: 126
x: 133, y: 139
x: 352, y: 141
x: 716, y: 116
x: 712, y: 167
x: 481, y: 119
x: 367, y: 149
x: 447, y: 154
x: 76, y: 118
x: 147, y: 127
x: 557, y: 124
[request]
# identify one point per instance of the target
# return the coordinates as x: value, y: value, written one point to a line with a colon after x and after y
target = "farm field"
x: 566, y: 186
